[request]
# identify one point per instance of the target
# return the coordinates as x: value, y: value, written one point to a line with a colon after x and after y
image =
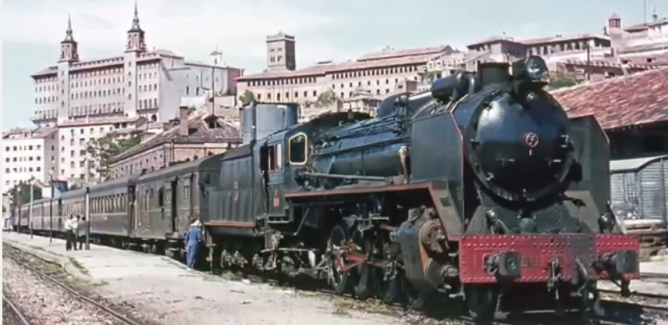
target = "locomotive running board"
x: 532, y: 256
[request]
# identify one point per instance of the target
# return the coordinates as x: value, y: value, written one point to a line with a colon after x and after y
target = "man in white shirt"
x: 80, y: 232
x: 75, y: 232
x: 69, y: 223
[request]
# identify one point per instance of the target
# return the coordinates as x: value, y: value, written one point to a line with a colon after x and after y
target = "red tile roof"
x: 374, y: 60
x: 34, y: 132
x: 99, y: 121
x: 392, y: 53
x: 545, y: 40
x: 494, y: 39
x: 635, y: 99
x: 199, y: 132
x: 643, y: 26
x: 644, y: 48
x: 608, y: 64
x: 536, y: 41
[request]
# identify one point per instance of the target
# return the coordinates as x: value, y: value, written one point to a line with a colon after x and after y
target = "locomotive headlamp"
x: 606, y: 222
x: 532, y: 68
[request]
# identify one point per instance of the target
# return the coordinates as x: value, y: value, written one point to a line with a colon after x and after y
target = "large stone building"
x: 74, y: 137
x: 28, y: 153
x: 618, y: 51
x: 138, y: 82
x: 376, y: 73
x: 136, y: 91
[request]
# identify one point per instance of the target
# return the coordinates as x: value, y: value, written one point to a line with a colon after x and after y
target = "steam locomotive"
x: 480, y: 190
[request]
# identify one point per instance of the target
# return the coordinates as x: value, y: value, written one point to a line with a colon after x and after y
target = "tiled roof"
x: 535, y: 41
x: 374, y: 60
x: 35, y: 132
x: 392, y: 53
x: 544, y: 40
x: 107, y: 62
x: 609, y: 64
x: 306, y: 72
x: 199, y: 133
x: 643, y: 26
x: 99, y: 121
x: 643, y: 48
x: 493, y: 39
x: 635, y: 99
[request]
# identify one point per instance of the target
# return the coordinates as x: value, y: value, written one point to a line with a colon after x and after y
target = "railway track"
x: 71, y: 291
x: 12, y: 315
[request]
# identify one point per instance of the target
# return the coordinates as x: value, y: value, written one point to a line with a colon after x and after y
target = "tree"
x: 326, y: 98
x: 103, y: 149
x: 21, y: 193
x: 561, y: 80
x: 247, y: 98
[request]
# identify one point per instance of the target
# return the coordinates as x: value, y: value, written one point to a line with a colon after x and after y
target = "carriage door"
x: 272, y: 175
x: 131, y: 217
x: 169, y: 208
x: 188, y: 199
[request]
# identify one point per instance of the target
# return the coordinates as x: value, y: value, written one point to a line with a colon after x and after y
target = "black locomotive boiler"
x: 480, y: 189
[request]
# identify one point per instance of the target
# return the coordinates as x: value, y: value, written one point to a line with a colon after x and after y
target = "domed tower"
x: 614, y: 23
x: 69, y: 47
x: 136, y: 41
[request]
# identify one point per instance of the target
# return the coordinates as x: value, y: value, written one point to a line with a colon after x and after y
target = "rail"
x: 71, y: 291
x: 17, y: 313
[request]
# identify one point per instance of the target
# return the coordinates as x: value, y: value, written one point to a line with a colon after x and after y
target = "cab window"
x: 297, y: 149
x: 274, y: 157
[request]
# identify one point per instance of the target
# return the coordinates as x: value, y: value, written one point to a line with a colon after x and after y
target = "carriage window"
x: 161, y: 197
x: 297, y: 148
x: 148, y: 197
x: 186, y: 192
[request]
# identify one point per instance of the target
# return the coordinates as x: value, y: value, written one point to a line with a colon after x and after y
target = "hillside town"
x: 127, y: 96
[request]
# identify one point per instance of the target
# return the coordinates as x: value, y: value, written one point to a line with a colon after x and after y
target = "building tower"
x: 281, y: 52
x: 614, y: 23
x: 136, y: 41
x: 68, y: 47
x: 69, y: 54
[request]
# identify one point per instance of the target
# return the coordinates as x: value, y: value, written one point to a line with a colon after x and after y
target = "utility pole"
x: 18, y: 204
x: 216, y: 54
x: 589, y: 46
x: 32, y: 179
x: 87, y: 203
x: 51, y: 208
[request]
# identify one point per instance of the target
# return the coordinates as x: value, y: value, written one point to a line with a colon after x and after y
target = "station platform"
x: 102, y: 263
x: 161, y: 289
x: 98, y: 263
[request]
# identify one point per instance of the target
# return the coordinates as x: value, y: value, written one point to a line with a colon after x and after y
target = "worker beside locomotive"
x: 481, y: 189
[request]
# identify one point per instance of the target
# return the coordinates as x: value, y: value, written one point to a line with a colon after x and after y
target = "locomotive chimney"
x: 183, y: 120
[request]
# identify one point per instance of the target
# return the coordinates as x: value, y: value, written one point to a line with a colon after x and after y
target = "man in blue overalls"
x: 193, y: 237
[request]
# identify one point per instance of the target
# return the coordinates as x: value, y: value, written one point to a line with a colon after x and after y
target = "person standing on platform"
x: 192, y: 239
x: 68, y: 232
x: 81, y: 231
x: 75, y: 232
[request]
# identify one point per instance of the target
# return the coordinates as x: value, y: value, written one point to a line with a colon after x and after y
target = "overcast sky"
x: 325, y: 30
